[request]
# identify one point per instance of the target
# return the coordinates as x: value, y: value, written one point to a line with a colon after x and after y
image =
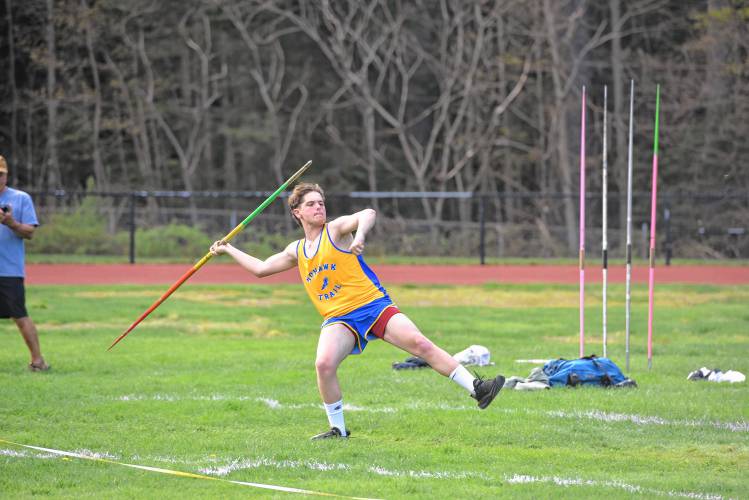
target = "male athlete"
x: 355, y: 307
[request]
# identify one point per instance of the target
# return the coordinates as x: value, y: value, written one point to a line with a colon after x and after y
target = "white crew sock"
x: 463, y: 378
x: 335, y: 416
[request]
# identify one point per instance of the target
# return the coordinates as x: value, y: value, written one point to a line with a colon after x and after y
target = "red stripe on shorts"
x: 379, y: 327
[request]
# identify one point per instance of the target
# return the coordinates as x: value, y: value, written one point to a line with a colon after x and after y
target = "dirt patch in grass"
x: 477, y: 296
x: 266, y: 297
x: 480, y: 297
x: 255, y: 326
x: 109, y: 294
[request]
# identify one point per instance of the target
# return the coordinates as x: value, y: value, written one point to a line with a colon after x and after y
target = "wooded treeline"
x: 422, y: 95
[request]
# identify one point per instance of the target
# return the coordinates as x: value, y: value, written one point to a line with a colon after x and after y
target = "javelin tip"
x: 116, y: 341
x: 298, y: 173
x: 130, y: 329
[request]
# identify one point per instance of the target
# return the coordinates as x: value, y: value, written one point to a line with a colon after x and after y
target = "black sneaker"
x: 334, y: 432
x: 486, y: 390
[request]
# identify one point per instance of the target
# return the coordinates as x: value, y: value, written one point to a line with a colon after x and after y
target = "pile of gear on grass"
x: 717, y: 375
x: 590, y: 370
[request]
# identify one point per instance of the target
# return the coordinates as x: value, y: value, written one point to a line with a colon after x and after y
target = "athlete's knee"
x: 325, y: 366
x: 422, y: 346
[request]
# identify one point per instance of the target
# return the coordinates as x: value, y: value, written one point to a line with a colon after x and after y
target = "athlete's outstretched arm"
x: 361, y: 222
x: 260, y: 268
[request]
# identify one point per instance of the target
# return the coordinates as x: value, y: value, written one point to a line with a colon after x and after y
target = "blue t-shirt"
x: 11, y: 245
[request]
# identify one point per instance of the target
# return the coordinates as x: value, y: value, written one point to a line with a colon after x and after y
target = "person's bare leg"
x: 403, y: 333
x: 335, y: 343
x: 31, y: 337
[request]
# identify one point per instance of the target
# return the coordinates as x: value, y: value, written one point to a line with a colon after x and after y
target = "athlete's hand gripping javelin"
x: 219, y: 247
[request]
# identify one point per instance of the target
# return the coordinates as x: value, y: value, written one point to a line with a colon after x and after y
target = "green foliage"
x: 181, y: 241
x: 79, y: 234
x: 262, y: 244
x: 222, y: 377
x: 80, y: 231
x: 173, y: 240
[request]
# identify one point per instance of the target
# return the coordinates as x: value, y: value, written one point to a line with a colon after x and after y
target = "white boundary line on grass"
x: 514, y: 479
x: 630, y: 488
x: 741, y: 426
x: 273, y: 404
x: 180, y: 473
x: 236, y: 465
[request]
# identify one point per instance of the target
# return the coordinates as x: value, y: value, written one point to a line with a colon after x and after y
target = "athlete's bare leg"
x: 335, y: 343
x: 403, y: 333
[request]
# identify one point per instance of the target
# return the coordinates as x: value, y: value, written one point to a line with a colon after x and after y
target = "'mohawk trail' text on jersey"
x: 336, y: 280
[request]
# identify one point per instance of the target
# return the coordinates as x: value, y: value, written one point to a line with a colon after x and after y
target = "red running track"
x: 166, y: 274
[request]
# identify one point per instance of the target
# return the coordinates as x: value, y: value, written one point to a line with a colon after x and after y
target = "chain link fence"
x: 457, y: 224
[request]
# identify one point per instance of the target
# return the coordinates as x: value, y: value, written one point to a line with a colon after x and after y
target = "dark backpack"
x: 590, y: 370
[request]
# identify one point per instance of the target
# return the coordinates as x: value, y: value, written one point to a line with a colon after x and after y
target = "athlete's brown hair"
x: 298, y: 194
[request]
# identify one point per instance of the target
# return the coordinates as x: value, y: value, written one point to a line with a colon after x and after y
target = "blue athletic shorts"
x: 362, y: 320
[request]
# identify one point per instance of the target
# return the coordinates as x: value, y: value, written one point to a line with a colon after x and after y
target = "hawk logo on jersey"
x: 324, y: 284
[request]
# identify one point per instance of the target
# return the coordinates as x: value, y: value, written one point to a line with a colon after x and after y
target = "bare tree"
x: 263, y: 41
x: 52, y: 164
x: 14, y: 101
x: 378, y: 51
x: 102, y: 179
x: 135, y: 118
x: 190, y: 147
x: 568, y: 44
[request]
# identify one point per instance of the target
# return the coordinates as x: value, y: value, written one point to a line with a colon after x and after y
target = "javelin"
x: 208, y: 256
x: 653, y: 198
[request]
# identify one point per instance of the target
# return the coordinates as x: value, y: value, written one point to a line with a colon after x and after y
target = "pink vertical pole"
x: 582, y: 227
x: 653, y: 197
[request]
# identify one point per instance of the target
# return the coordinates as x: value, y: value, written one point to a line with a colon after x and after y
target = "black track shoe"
x: 486, y: 390
x: 334, y: 432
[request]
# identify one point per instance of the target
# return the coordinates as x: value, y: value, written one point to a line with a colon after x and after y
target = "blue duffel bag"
x: 590, y: 370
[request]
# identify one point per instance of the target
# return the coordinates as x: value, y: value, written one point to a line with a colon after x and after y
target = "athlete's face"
x: 312, y: 209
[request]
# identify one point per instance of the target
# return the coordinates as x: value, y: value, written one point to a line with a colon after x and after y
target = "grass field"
x: 220, y: 382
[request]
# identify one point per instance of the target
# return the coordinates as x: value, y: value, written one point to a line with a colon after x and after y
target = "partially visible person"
x: 17, y: 223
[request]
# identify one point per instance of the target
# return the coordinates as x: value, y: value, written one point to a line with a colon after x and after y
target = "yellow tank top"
x: 336, y: 280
